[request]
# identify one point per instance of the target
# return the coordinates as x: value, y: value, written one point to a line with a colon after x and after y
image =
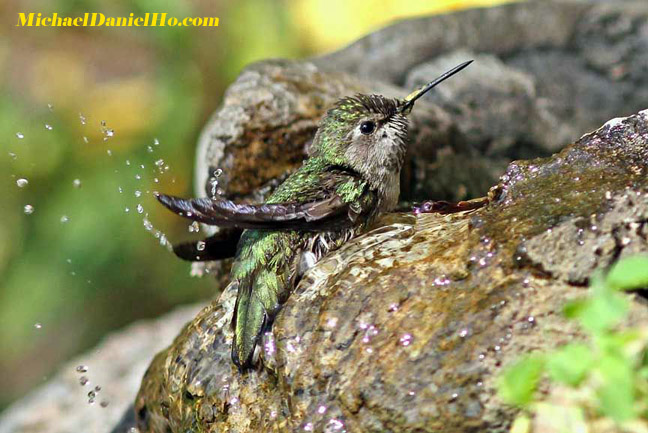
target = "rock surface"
x: 406, y: 328
x: 546, y: 72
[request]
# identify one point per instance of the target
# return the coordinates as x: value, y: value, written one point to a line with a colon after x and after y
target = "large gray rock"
x: 406, y: 328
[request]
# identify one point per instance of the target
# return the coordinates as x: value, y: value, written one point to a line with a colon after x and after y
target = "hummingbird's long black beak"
x: 412, y: 97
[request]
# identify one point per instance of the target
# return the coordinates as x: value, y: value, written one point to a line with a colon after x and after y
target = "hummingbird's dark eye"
x: 367, y: 127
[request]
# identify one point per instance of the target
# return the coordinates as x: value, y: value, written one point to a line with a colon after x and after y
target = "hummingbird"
x: 351, y: 175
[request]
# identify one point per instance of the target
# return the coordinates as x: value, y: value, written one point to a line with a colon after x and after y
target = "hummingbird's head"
x: 368, y: 133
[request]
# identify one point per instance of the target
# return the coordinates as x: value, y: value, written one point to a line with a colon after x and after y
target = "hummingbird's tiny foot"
x: 445, y: 207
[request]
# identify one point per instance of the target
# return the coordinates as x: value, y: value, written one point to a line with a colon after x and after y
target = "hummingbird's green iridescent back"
x: 267, y: 262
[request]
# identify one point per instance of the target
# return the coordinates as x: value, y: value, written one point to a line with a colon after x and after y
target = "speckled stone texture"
x: 406, y: 328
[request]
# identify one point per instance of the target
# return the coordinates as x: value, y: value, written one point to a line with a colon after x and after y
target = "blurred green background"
x: 82, y: 265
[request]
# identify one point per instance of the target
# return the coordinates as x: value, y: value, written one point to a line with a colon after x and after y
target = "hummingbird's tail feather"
x: 256, y: 305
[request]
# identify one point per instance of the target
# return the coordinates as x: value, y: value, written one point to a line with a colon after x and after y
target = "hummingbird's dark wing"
x: 220, y: 246
x: 323, y: 214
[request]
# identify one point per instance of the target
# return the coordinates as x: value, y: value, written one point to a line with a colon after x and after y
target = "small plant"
x: 600, y: 385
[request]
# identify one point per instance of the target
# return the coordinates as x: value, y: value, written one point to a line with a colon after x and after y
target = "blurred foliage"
x: 598, y: 386
x: 63, y: 285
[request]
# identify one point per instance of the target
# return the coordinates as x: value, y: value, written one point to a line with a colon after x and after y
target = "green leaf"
x: 602, y: 311
x: 574, y: 309
x: 629, y: 274
x: 519, y: 381
x: 616, y: 395
x: 570, y: 364
x: 616, y: 343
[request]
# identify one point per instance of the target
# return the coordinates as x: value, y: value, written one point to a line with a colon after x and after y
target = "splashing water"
x: 214, y: 191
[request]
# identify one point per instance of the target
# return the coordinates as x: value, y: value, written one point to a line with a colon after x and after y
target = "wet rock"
x: 406, y: 328
x: 545, y: 73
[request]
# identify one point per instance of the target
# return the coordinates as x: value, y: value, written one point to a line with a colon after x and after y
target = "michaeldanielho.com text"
x: 97, y: 19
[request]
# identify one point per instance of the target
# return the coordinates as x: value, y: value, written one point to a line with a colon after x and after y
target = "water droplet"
x: 156, y: 180
x: 103, y: 403
x: 156, y: 142
x: 138, y: 193
x: 13, y: 155
x: 463, y: 333
x: 138, y: 177
x: 82, y: 368
x: 119, y: 188
x: 159, y: 162
x: 82, y: 119
x: 83, y: 381
x: 149, y: 149
x: 48, y: 127
x: 336, y: 424
x: 128, y: 162
x: 133, y: 430
x: 126, y: 209
x: 28, y: 209
x: 64, y: 219
x: 140, y: 208
x: 97, y: 388
x: 406, y: 340
x: 147, y: 225
x: 22, y: 182
x: 85, y: 139
x: 321, y: 410
x: 194, y: 227
x: 20, y: 135
x: 200, y: 245
x: 213, y: 187
x: 308, y: 426
x: 92, y: 395
x: 38, y: 325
